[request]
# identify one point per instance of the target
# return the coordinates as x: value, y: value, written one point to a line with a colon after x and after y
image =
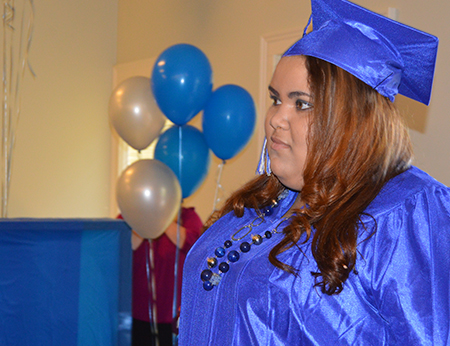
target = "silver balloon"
x: 134, y: 113
x: 149, y: 197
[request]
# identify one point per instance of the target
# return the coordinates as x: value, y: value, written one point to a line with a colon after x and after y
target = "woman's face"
x: 287, y: 121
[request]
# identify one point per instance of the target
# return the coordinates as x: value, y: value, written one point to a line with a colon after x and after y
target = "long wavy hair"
x: 357, y: 141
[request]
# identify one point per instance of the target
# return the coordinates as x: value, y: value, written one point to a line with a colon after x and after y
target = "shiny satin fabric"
x: 389, y: 56
x: 400, y: 295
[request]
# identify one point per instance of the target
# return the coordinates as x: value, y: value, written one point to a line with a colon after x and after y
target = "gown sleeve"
x: 409, y: 278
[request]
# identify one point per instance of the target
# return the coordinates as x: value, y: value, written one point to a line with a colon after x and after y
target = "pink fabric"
x: 164, y: 260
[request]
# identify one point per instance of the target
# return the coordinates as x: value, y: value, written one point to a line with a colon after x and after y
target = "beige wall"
x: 431, y: 136
x: 62, y: 157
x: 229, y: 33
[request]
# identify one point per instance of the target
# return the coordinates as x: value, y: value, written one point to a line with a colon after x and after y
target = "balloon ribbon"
x: 150, y: 267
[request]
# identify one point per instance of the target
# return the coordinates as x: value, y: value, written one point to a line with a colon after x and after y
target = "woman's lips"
x: 278, y: 144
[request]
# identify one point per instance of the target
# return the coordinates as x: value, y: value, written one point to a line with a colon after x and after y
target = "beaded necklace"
x: 210, y: 278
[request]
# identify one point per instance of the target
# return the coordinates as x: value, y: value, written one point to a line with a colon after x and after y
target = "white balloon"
x: 149, y: 197
x: 134, y: 113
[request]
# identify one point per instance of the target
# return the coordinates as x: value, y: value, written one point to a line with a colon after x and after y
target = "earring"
x: 264, y: 160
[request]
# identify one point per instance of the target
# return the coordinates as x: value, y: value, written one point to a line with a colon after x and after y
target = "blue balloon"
x: 184, y: 150
x: 181, y: 82
x: 228, y: 120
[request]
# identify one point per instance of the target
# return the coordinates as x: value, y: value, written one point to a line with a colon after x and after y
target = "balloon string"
x: 30, y: 38
x: 180, y: 152
x: 175, y: 280
x: 177, y: 250
x: 23, y: 59
x: 150, y: 267
x: 219, y: 187
x: 8, y: 17
x: 11, y: 86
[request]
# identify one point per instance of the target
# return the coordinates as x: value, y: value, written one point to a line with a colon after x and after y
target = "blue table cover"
x: 65, y: 282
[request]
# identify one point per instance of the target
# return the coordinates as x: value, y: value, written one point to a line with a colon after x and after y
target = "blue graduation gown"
x: 400, y: 295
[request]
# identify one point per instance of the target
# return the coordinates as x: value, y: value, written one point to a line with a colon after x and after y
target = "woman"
x: 344, y: 242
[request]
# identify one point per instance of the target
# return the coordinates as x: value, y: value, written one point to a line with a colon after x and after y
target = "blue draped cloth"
x: 400, y: 295
x: 65, y: 282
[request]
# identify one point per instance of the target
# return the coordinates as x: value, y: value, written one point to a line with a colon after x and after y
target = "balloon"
x: 228, y: 120
x: 181, y: 82
x: 149, y: 197
x: 190, y: 162
x: 134, y: 113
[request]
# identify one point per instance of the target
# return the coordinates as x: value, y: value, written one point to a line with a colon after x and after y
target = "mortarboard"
x: 389, y: 56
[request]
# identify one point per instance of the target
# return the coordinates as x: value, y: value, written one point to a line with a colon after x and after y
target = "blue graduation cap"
x: 389, y: 56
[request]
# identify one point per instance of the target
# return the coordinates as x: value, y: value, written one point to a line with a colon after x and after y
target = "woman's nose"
x: 279, y: 118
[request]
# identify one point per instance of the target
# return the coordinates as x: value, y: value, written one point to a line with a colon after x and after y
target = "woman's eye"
x: 275, y: 100
x: 303, y: 105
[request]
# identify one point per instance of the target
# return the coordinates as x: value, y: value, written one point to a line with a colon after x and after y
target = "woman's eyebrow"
x: 295, y: 94
x: 273, y: 91
x: 291, y: 95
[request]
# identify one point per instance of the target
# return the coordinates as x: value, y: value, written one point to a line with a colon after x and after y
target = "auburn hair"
x: 357, y: 141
